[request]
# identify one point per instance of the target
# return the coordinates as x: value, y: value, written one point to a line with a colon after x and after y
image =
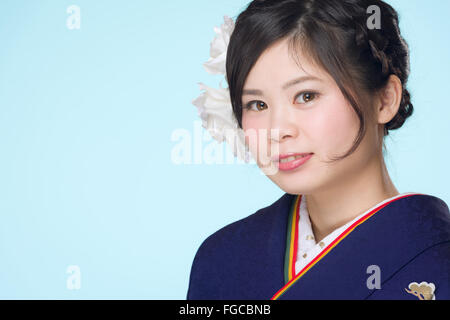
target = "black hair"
x: 335, y: 34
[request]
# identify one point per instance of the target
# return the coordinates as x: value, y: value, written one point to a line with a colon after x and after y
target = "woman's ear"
x: 389, y: 101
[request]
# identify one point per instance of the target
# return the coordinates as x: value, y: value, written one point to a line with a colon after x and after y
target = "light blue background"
x: 86, y: 118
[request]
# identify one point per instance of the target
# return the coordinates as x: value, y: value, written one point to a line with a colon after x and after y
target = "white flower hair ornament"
x: 214, y: 105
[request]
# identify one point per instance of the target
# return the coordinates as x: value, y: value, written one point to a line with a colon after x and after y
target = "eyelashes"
x: 308, y: 96
x: 249, y: 105
x: 312, y: 95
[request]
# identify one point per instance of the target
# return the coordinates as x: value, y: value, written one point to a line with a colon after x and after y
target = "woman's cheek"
x: 252, y: 128
x: 335, y: 128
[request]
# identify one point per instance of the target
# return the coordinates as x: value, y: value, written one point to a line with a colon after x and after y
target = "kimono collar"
x: 396, y: 223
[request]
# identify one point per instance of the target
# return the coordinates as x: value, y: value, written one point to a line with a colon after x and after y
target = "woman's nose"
x: 279, y: 135
x: 283, y: 126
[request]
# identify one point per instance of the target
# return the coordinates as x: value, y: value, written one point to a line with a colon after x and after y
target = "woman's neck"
x: 332, y: 208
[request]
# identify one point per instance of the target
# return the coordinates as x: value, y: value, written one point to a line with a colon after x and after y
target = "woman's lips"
x: 291, y: 162
x: 288, y: 155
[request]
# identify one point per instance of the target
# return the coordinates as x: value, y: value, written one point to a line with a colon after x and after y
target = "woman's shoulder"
x: 233, y: 251
x: 429, y: 214
x: 432, y: 203
x: 256, y: 225
x: 410, y: 224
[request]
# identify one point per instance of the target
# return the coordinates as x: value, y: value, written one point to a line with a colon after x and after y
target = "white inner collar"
x: 307, y: 246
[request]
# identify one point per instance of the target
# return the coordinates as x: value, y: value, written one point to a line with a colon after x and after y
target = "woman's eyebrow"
x: 254, y: 92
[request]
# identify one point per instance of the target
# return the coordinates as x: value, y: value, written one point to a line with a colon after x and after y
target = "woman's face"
x: 309, y: 116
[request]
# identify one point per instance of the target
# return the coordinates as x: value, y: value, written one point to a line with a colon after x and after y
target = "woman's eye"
x: 307, y: 96
x: 259, y: 105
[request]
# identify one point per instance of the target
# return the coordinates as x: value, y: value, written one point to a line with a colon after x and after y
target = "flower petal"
x: 218, y: 49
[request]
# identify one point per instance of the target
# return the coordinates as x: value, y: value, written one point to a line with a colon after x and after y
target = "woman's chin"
x: 293, y: 183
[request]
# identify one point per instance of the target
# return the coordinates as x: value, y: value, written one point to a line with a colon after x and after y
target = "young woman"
x: 332, y: 87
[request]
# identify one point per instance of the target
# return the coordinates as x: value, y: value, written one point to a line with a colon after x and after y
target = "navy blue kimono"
x: 407, y: 240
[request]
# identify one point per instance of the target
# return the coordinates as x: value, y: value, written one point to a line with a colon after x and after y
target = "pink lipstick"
x: 292, y: 161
